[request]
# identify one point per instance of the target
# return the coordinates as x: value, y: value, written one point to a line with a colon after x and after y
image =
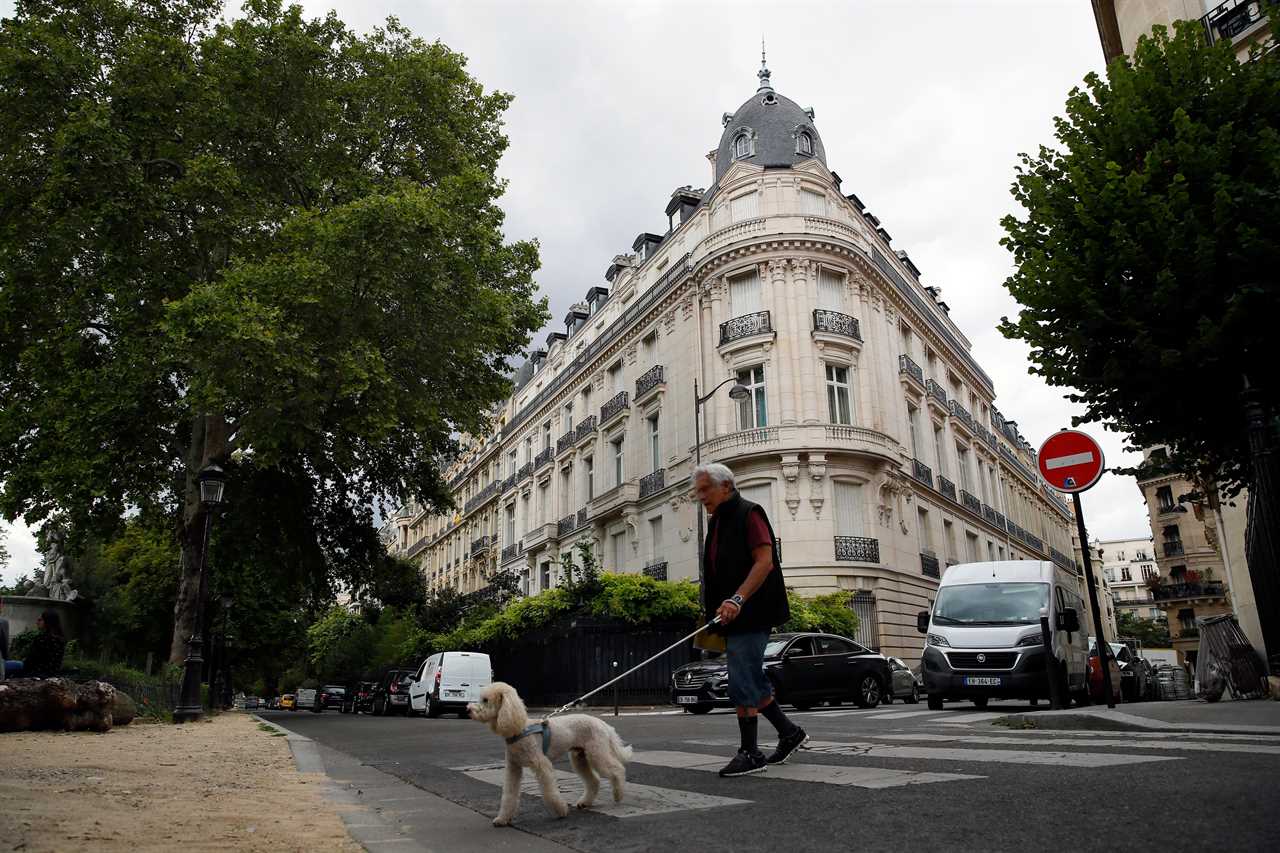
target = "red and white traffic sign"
x: 1070, y: 461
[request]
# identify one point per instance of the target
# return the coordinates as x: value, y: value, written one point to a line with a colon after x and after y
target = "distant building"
x: 1106, y: 600
x: 1122, y: 22
x: 1129, y: 565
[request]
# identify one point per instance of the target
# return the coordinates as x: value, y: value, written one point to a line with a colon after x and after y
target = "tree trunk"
x: 208, y: 444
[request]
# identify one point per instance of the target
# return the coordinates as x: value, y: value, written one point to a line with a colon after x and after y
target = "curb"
x: 1118, y: 721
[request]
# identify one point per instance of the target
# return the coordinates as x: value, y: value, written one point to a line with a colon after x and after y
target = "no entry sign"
x: 1070, y: 461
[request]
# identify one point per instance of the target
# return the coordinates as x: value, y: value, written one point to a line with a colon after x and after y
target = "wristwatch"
x: 737, y: 599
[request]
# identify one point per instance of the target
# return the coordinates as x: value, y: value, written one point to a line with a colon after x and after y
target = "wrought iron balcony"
x: 582, y: 517
x: 565, y: 442
x: 510, y: 483
x: 566, y: 525
x: 985, y: 435
x: 745, y: 326
x: 970, y: 502
x: 936, y: 392
x: 1032, y: 540
x: 858, y: 549
x: 907, y: 367
x: 947, y: 488
x: 922, y: 472
x: 929, y: 566
x: 1172, y: 549
x: 1231, y: 19
x: 416, y: 548
x: 652, y: 483
x: 651, y: 379
x: 481, y: 545
x: 512, y: 551
x: 835, y: 323
x: 544, y: 456
x: 616, y: 405
x: 657, y: 571
x: 479, y: 498
x: 1063, y: 560
x: 1189, y: 590
x: 989, y: 513
x: 999, y: 521
x: 585, y: 429
x: 961, y: 414
x: 525, y: 470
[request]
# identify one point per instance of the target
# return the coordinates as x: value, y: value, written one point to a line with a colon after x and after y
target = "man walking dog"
x: 743, y: 586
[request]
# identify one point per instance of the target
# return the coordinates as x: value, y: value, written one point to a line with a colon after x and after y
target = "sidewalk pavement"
x: 382, y: 811
x: 1249, y: 716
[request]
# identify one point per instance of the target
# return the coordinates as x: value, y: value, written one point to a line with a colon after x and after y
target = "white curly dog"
x: 592, y: 744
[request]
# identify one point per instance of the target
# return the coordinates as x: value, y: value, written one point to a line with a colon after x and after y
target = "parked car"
x: 273, y: 704
x: 447, y: 681
x: 331, y: 696
x: 358, y: 697
x: 308, y: 699
x: 983, y: 635
x: 252, y: 703
x: 1095, y: 676
x: 905, y: 684
x: 288, y: 702
x: 391, y: 692
x: 805, y: 669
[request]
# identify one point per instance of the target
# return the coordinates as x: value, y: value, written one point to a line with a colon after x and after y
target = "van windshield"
x: 991, y: 604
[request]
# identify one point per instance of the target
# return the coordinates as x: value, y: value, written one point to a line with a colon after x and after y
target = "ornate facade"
x: 871, y: 434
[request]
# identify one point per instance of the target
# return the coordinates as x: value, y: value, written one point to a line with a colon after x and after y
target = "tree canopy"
x: 1147, y: 254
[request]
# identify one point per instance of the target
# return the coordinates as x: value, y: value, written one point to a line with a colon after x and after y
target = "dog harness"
x: 534, y: 728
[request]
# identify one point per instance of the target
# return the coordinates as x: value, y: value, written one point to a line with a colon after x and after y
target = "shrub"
x: 830, y: 613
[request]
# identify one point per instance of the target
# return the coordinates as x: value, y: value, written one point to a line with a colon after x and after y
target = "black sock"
x: 774, y: 715
x: 747, y: 729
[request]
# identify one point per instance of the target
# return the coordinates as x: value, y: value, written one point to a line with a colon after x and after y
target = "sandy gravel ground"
x: 218, y: 785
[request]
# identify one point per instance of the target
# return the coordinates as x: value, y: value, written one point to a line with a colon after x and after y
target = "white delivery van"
x: 983, y: 641
x: 447, y: 681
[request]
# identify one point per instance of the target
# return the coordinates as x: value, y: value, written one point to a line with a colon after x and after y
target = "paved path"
x: 895, y: 778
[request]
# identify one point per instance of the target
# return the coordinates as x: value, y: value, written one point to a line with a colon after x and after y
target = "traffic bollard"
x: 1056, y: 699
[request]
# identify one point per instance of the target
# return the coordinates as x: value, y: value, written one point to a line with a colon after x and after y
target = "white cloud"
x: 24, y: 556
x: 922, y: 108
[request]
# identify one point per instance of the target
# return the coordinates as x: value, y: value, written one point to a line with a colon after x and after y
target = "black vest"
x: 767, y: 608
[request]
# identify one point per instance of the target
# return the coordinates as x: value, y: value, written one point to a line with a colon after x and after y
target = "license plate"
x: 399, y: 700
x: 456, y: 692
x: 973, y: 681
x: 686, y: 700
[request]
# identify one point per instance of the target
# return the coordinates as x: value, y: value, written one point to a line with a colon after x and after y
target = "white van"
x: 447, y: 681
x: 983, y: 637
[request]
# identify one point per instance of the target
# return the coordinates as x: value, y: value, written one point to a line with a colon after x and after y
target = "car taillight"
x: 438, y: 672
x: 395, y: 688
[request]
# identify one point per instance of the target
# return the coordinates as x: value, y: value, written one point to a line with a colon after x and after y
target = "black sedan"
x: 805, y: 669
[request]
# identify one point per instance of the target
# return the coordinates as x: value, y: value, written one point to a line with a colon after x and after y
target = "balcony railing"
x: 566, y: 525
x: 479, y: 498
x: 479, y: 546
x: 1063, y: 560
x: 582, y: 517
x: 1172, y: 549
x: 416, y: 548
x: 512, y: 551
x: 585, y: 429
x: 858, y: 549
x: 652, y: 483
x: 651, y: 379
x: 935, y: 391
x: 510, y: 483
x: 1195, y: 589
x: 929, y: 566
x: 961, y: 414
x: 657, y: 571
x: 1032, y: 540
x: 984, y: 434
x: 617, y: 404
x: 745, y: 326
x: 922, y: 472
x: 525, y: 470
x: 1231, y: 18
x: 990, y: 514
x: 544, y: 456
x: 565, y: 441
x: 907, y: 367
x: 835, y: 323
x: 970, y: 502
x: 947, y: 488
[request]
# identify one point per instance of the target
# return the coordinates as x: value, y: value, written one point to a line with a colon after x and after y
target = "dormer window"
x: 742, y: 146
x: 804, y: 144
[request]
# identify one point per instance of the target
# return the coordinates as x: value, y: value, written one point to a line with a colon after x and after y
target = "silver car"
x: 906, y: 685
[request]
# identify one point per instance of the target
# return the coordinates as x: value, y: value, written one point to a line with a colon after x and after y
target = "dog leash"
x: 618, y: 678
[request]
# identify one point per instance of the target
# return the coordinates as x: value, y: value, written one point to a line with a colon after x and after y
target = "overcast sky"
x: 922, y: 108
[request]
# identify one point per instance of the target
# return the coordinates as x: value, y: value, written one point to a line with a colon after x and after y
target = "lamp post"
x: 737, y: 392
x: 212, y: 480
x: 223, y: 656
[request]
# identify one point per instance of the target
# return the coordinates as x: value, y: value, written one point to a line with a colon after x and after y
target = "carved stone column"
x: 804, y: 286
x: 783, y: 304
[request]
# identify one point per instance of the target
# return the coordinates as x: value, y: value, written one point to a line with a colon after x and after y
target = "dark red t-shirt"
x: 757, y: 535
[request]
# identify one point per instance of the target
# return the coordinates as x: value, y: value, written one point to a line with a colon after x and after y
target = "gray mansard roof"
x: 774, y: 121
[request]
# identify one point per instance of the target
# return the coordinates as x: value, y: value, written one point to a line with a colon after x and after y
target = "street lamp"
x: 211, y: 479
x: 737, y: 392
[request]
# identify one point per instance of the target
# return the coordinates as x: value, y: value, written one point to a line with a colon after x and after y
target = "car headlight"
x: 938, y: 640
x: 1031, y: 640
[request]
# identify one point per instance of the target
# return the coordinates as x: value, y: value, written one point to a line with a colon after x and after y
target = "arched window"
x: 804, y: 144
x: 742, y: 146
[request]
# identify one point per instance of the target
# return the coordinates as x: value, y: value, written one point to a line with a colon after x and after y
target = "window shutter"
x: 745, y: 206
x: 848, y: 509
x: 760, y: 493
x: 813, y: 204
x: 746, y: 294
x: 830, y: 290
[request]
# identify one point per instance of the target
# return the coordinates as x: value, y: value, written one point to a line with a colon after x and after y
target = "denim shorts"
x: 748, y: 685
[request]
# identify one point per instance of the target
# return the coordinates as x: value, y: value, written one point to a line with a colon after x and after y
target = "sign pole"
x: 1104, y: 651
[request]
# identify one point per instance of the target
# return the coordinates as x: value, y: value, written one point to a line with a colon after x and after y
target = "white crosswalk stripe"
x: 858, y: 777
x: 1123, y: 741
x: 640, y: 800
x: 899, y: 715
x: 998, y: 756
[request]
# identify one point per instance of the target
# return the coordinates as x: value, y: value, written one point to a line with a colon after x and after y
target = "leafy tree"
x: 1151, y: 633
x: 19, y: 587
x: 267, y: 236
x: 831, y: 613
x: 1147, y: 255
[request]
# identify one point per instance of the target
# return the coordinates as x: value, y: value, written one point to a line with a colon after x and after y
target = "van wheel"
x: 432, y: 708
x: 980, y: 703
x: 935, y: 702
x: 915, y: 695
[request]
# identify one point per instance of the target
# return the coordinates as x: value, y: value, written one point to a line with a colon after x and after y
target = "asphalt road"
x: 891, y: 778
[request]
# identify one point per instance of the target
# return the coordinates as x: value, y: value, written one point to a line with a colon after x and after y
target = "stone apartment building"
x: 1128, y: 564
x: 869, y: 432
x: 1121, y: 22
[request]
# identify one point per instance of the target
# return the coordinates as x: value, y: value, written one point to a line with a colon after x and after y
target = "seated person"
x: 44, y: 658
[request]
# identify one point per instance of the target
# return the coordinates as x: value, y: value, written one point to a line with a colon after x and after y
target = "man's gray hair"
x: 718, y: 474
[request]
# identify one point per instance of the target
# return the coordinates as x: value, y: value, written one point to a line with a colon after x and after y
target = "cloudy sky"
x: 923, y: 108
